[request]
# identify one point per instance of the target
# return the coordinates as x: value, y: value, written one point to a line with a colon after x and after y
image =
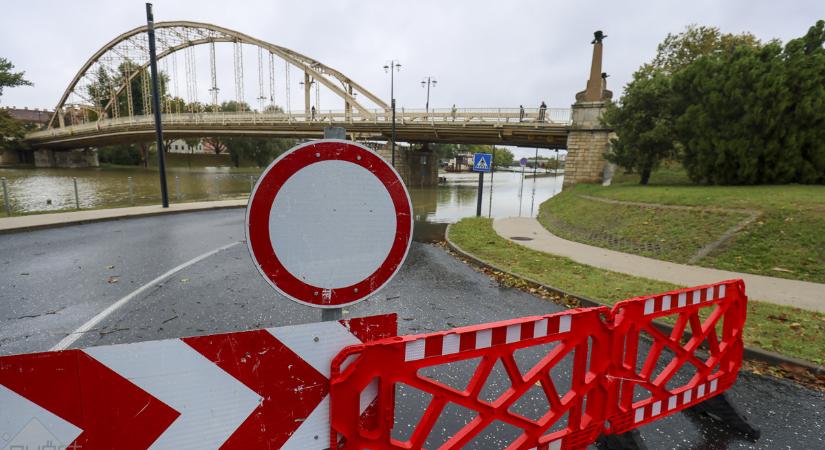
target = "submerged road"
x: 105, y: 276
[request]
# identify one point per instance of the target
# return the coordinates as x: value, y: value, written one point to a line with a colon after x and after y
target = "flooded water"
x: 45, y: 190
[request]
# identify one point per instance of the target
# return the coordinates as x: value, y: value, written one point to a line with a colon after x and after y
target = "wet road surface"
x: 55, y: 280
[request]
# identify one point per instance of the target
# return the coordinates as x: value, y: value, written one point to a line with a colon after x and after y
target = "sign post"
x: 533, y: 195
x: 481, y: 163
x: 329, y: 223
x: 522, y: 162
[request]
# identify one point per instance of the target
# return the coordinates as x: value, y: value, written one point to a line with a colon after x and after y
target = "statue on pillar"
x: 596, y: 90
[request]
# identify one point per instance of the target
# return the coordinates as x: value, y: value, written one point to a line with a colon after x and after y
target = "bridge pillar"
x: 417, y: 167
x: 44, y: 157
x: 71, y: 159
x: 588, y: 140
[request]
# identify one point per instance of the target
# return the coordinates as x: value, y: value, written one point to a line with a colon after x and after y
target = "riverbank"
x: 785, y: 330
x: 57, y: 219
x: 774, y: 231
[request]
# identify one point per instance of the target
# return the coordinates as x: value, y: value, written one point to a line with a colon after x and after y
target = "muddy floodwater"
x: 46, y: 190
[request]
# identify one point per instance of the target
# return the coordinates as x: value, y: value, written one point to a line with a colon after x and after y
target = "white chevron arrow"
x: 211, y: 403
x: 317, y: 344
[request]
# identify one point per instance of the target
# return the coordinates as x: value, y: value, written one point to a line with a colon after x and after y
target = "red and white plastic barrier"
x: 254, y: 389
x: 399, y: 360
x: 715, y: 316
x: 601, y: 398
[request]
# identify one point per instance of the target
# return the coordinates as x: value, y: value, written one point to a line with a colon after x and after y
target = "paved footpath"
x: 801, y: 294
x: 35, y: 221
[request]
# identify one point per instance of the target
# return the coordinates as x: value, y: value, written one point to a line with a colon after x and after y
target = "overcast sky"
x: 483, y: 53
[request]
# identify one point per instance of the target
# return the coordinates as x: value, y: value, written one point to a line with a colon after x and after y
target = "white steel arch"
x: 131, y: 48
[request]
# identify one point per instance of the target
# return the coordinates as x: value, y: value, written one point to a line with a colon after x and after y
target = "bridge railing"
x: 440, y: 116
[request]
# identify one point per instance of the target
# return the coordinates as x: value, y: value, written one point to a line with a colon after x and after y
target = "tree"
x: 657, y: 117
x: 9, y: 78
x: 12, y: 132
x: 643, y: 123
x: 106, y: 84
x: 756, y: 114
x: 261, y: 151
x: 215, y: 143
x: 502, y: 157
x: 678, y: 51
x: 11, y: 129
x: 446, y: 151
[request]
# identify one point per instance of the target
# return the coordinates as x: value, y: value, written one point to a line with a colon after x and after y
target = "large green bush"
x: 732, y: 109
x: 754, y: 115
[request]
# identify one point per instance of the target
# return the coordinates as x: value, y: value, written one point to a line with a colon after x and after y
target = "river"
x: 45, y: 190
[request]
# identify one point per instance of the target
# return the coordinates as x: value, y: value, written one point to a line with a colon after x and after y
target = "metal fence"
x: 76, y: 193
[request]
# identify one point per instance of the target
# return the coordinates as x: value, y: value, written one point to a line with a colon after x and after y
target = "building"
x: 180, y: 146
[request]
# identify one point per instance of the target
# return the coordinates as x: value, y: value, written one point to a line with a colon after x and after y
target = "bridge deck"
x: 499, y: 126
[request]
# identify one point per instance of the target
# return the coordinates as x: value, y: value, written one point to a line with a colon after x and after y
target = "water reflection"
x: 41, y: 190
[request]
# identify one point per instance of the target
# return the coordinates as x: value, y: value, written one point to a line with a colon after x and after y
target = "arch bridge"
x: 109, y: 99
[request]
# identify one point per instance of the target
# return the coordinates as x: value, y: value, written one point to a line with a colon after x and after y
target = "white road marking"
x: 78, y: 333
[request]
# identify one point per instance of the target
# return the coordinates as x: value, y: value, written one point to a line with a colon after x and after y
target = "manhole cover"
x: 520, y: 238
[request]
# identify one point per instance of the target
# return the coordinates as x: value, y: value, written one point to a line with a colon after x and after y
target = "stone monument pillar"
x: 588, y: 139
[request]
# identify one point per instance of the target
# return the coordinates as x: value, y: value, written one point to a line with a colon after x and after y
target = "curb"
x: 42, y: 226
x: 751, y: 353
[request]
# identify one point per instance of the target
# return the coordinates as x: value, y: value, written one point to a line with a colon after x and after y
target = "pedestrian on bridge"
x: 520, y: 113
x: 542, y: 111
x: 312, y: 114
x: 453, y: 111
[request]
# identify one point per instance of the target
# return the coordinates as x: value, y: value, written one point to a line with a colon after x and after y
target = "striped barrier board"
x: 254, y: 389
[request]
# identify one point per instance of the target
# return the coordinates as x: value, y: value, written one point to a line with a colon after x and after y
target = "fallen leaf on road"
x: 113, y: 279
x: 110, y: 267
x: 184, y: 280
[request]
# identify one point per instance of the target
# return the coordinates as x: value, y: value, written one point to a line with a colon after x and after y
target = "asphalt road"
x: 53, y: 281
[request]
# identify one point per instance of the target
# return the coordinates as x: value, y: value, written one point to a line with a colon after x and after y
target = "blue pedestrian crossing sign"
x: 482, y: 162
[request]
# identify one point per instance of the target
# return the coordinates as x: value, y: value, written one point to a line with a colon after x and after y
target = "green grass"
x: 787, y: 241
x: 785, y: 330
x: 672, y: 235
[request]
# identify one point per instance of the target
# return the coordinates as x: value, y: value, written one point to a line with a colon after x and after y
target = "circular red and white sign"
x: 329, y: 223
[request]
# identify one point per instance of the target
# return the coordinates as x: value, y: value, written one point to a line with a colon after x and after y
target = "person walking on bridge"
x: 542, y: 111
x: 312, y: 114
x: 521, y: 113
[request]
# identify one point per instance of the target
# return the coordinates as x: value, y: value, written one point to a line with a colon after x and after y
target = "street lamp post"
x: 429, y: 81
x: 391, y: 67
x: 153, y: 65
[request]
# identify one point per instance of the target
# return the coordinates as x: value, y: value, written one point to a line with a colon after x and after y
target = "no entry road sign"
x: 329, y: 223
x: 482, y: 162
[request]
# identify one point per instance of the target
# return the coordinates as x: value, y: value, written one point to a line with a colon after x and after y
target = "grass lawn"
x: 785, y: 330
x: 788, y: 239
